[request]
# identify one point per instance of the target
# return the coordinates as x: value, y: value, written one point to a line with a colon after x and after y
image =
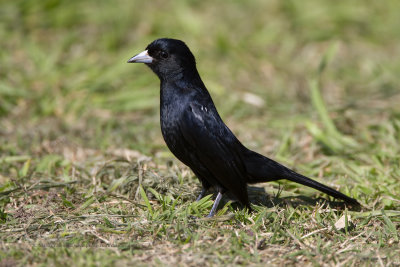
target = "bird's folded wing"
x: 215, y: 146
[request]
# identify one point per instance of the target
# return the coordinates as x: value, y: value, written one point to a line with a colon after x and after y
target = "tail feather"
x: 298, y: 178
x: 262, y: 169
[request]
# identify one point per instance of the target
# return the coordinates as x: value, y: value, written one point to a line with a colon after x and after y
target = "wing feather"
x: 215, y: 147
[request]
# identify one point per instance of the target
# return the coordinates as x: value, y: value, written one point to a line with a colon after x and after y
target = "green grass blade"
x: 146, y: 200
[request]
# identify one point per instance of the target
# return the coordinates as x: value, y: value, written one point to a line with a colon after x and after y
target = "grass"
x: 86, y: 179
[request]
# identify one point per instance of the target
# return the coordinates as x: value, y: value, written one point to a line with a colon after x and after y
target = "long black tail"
x: 298, y: 178
x: 262, y: 169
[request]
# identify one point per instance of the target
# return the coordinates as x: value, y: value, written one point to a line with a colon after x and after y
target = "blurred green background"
x: 304, y: 82
x: 313, y: 84
x: 67, y: 60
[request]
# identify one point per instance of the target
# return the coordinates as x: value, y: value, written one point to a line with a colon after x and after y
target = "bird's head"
x: 168, y: 58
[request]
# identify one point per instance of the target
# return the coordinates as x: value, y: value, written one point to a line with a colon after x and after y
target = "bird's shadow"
x: 258, y: 196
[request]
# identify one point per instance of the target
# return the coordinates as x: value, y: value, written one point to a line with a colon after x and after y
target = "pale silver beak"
x: 143, y: 57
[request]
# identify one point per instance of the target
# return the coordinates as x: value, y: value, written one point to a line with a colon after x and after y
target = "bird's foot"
x: 215, y: 205
x: 210, y: 215
x: 202, y: 194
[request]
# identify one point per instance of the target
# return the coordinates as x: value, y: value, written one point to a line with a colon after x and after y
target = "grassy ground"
x: 85, y: 177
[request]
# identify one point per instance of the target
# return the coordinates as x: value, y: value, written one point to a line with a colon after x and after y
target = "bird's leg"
x: 202, y: 193
x: 215, y: 206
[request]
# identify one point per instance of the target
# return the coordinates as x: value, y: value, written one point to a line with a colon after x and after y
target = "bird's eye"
x: 164, y: 54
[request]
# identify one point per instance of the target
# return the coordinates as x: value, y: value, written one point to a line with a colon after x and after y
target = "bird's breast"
x: 174, y: 102
x: 170, y: 117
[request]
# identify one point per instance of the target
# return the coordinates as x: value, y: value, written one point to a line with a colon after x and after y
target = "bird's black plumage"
x: 197, y: 136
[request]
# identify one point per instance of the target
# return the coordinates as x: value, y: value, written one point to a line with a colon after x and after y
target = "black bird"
x: 197, y: 136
